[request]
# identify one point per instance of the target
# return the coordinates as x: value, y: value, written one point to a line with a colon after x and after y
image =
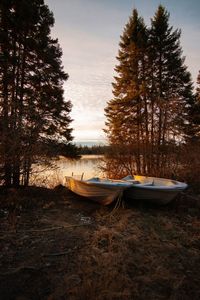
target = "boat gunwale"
x: 105, y: 185
x: 174, y: 186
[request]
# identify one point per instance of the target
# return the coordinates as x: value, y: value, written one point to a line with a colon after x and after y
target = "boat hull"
x: 154, y: 196
x: 153, y: 189
x: 103, y: 193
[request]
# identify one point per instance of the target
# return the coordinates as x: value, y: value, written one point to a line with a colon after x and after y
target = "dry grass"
x: 49, y: 178
x: 140, y: 255
x: 139, y: 252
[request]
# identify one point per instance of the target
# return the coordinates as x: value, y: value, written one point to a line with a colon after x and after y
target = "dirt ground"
x: 56, y: 245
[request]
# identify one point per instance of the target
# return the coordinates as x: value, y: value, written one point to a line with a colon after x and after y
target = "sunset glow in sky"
x: 89, y: 33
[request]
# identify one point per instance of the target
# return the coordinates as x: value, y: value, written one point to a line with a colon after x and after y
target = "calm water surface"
x: 88, y: 165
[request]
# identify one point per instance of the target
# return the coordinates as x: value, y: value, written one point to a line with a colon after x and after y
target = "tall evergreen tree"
x: 197, y: 109
x: 190, y: 163
x: 171, y: 86
x: 198, y: 87
x: 33, y: 109
x: 193, y: 125
x: 152, y: 94
x: 125, y: 119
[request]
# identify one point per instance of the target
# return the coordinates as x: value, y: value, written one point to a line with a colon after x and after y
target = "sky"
x: 89, y: 34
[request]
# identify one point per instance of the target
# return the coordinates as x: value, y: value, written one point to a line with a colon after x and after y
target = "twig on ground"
x: 44, y: 229
x: 19, y: 269
x: 57, y: 253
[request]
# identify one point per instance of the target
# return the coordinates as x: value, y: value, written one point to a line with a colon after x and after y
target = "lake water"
x: 87, y: 165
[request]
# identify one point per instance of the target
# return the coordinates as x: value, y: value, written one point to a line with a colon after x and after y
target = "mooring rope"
x: 119, y: 203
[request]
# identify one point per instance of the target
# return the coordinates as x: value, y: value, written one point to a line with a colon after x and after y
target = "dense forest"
x: 153, y: 121
x: 34, y: 117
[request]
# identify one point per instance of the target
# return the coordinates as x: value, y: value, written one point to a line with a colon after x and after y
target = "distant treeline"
x: 99, y: 149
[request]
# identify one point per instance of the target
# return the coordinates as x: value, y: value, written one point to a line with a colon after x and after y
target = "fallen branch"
x: 44, y: 229
x: 55, y: 228
x: 19, y: 269
x: 58, y: 253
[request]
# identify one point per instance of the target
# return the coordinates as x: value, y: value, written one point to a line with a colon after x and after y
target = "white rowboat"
x: 153, y: 189
x: 103, y: 191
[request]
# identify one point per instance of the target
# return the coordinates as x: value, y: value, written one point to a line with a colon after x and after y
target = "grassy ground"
x: 55, y: 245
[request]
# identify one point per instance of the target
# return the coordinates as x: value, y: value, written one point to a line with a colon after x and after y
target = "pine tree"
x: 198, y: 87
x: 197, y: 107
x: 192, y: 129
x: 152, y: 95
x: 171, y: 85
x: 191, y: 149
x: 125, y: 120
x: 33, y: 109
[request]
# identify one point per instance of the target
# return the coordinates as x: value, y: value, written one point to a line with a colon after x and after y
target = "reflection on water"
x: 88, y: 165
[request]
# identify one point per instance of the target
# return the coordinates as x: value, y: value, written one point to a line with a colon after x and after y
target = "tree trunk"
x: 5, y: 112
